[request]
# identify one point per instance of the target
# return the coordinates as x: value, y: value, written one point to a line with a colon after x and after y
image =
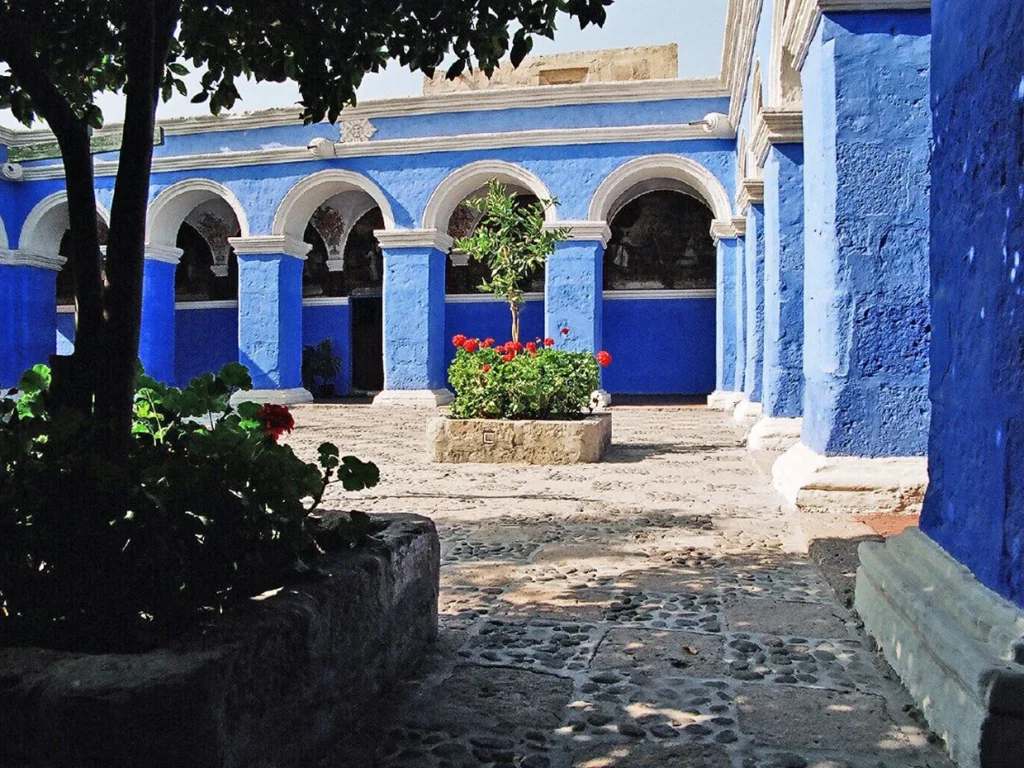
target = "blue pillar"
x: 414, y: 327
x: 784, y: 281
x: 754, y: 295
x: 573, y: 286
x: 728, y: 367
x: 28, y: 312
x: 867, y: 143
x: 270, y: 316
x: 156, y: 337
x: 741, y: 313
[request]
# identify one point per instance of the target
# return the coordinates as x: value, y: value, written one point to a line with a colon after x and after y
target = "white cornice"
x: 775, y: 126
x: 325, y: 301
x: 741, y: 33
x: 197, y: 305
x: 728, y: 229
x: 270, y: 245
x: 802, y: 24
x: 660, y: 294
x: 473, y: 141
x: 485, y: 298
x: 751, y: 192
x: 590, y: 231
x: 414, y: 238
x: 165, y: 253
x: 11, y: 258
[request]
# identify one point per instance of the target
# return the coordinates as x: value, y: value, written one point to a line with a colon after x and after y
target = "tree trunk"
x: 514, y: 307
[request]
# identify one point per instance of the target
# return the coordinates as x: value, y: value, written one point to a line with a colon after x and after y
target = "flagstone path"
x: 636, y: 613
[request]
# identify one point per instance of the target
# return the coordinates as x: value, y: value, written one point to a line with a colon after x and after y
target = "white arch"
x: 460, y: 184
x: 309, y: 194
x: 691, y: 173
x: 47, y: 222
x: 172, y: 206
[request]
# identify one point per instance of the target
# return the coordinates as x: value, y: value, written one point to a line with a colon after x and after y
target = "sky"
x: 696, y: 25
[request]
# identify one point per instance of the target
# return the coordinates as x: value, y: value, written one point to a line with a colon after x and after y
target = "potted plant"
x: 320, y: 367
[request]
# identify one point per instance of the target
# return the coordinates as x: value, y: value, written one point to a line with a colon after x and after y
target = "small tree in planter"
x: 511, y: 240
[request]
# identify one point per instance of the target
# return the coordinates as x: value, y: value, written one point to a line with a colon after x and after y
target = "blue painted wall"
x: 975, y: 503
x: 156, y: 338
x: 204, y: 340
x: 270, y: 319
x: 490, y: 319
x: 660, y: 346
x: 725, y: 315
x: 754, y: 295
x: 28, y: 318
x: 866, y: 228
x: 65, y: 333
x: 572, y: 295
x: 332, y: 322
x: 784, y: 281
x: 414, y: 319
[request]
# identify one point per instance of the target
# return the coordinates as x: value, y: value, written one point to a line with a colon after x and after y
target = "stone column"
x: 866, y: 139
x: 270, y: 316
x: 414, y: 328
x: 728, y: 367
x: 156, y: 337
x: 574, y: 284
x: 28, y: 312
x: 946, y: 602
x: 750, y: 408
x: 783, y: 384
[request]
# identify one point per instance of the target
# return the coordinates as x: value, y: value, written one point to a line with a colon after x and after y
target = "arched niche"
x: 47, y: 222
x: 470, y: 180
x: 344, y: 257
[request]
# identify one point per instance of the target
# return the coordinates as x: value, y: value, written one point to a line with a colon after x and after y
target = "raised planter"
x: 270, y: 685
x: 497, y: 441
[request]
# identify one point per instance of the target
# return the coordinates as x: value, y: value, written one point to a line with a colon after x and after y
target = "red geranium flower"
x: 549, y: 342
x: 603, y: 358
x: 509, y: 357
x: 276, y: 419
x: 517, y: 346
x: 471, y: 345
x: 458, y: 340
x: 531, y: 348
x: 486, y: 368
x: 565, y: 331
x: 488, y: 342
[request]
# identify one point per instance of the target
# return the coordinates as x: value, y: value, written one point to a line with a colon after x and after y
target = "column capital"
x: 729, y: 229
x: 270, y: 245
x: 414, y: 238
x: 165, y: 253
x: 751, y: 192
x: 775, y: 125
x: 589, y: 231
x: 53, y: 262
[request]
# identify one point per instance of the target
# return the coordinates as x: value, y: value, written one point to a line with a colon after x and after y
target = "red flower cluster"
x: 549, y: 342
x: 488, y: 343
x: 276, y: 419
x: 508, y: 358
x: 531, y: 348
x: 458, y: 340
x: 565, y: 331
x: 603, y: 358
x: 486, y: 368
x: 471, y: 345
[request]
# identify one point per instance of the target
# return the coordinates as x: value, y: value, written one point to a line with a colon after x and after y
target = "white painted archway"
x: 46, y: 224
x: 460, y: 184
x: 307, y: 195
x: 671, y: 167
x: 173, y: 205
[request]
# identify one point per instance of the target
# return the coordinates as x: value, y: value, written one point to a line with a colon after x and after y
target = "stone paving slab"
x: 636, y: 613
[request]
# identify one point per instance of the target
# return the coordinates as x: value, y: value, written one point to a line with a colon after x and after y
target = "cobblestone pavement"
x: 634, y: 613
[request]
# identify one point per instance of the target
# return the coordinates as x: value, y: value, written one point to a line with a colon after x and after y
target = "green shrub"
x: 320, y: 367
x: 522, y: 381
x: 206, y: 509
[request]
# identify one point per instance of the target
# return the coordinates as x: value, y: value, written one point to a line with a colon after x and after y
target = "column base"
x: 770, y: 434
x: 720, y: 400
x: 274, y: 396
x: 414, y: 398
x: 956, y: 645
x: 746, y: 413
x: 811, y: 482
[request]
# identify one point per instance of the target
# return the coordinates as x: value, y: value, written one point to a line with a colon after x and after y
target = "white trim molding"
x: 738, y: 52
x: 775, y: 126
x: 661, y: 294
x: 174, y: 203
x: 301, y: 201
x: 728, y: 229
x: 802, y: 23
x: 218, y: 304
x: 463, y: 182
x: 662, y: 166
x: 414, y: 238
x: 596, y: 231
x: 270, y: 245
x: 53, y: 262
x: 325, y: 301
x: 486, y: 298
x: 167, y: 254
x: 751, y: 192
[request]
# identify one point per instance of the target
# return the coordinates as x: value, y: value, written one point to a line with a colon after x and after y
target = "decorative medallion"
x: 357, y: 131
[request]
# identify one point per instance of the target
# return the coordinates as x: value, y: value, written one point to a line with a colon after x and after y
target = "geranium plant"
x: 208, y: 508
x: 535, y: 380
x: 512, y: 241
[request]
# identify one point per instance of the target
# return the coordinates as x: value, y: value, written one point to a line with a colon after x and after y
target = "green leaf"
x: 35, y: 380
x: 235, y: 376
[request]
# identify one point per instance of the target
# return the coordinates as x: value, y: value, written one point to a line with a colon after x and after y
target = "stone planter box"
x: 496, y: 441
x: 272, y: 684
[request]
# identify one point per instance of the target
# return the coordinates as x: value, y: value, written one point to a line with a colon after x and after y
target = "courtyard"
x: 638, y: 612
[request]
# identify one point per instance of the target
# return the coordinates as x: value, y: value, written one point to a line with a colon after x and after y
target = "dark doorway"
x: 367, y: 343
